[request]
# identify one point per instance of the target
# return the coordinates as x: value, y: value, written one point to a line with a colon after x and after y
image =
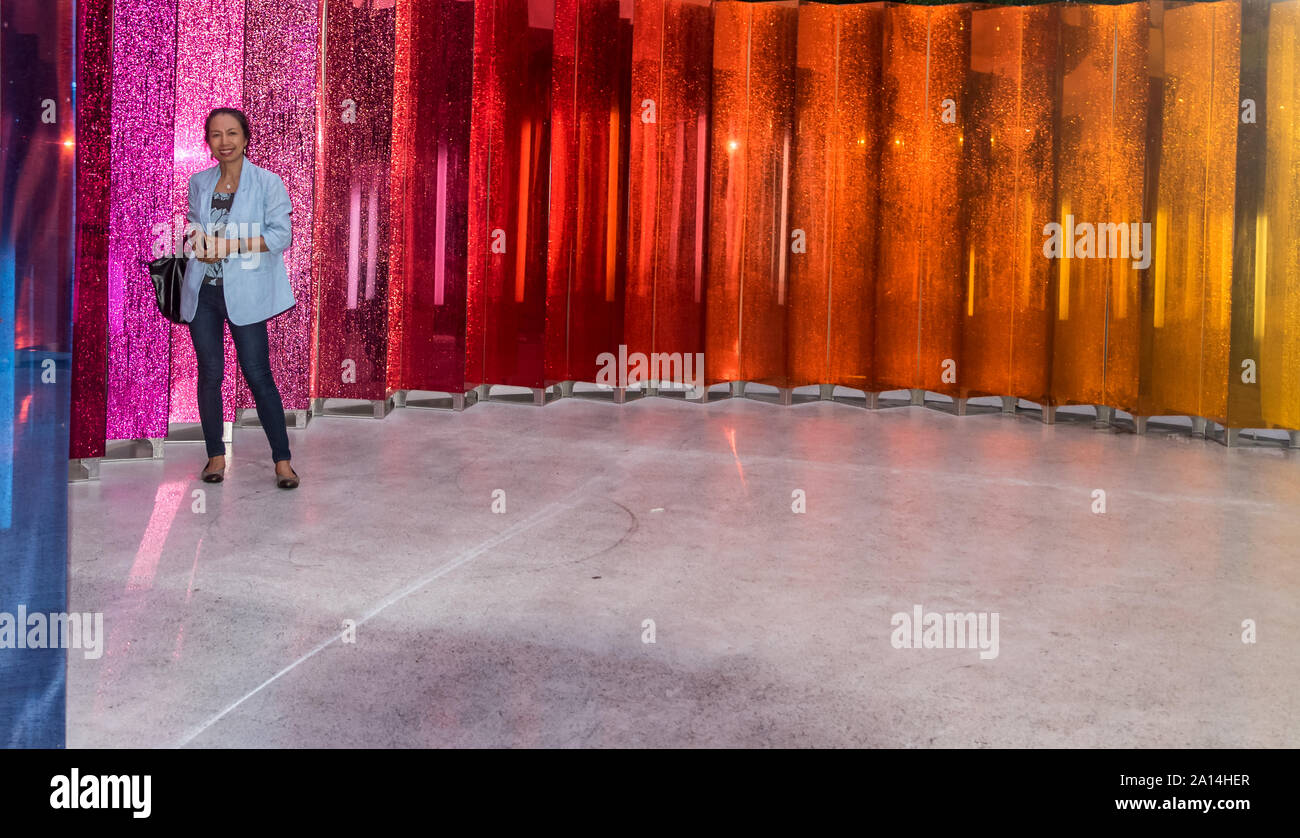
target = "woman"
x: 239, y: 217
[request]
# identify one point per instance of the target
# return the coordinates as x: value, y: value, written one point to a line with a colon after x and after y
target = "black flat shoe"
x: 213, y: 476
x: 287, y: 482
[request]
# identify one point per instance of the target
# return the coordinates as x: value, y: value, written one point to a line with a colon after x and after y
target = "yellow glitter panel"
x: 1279, y: 240
x: 1101, y: 137
x: 1196, y: 61
x: 1009, y: 192
x: 832, y: 282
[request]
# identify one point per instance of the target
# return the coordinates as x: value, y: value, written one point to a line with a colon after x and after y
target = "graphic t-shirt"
x: 221, y: 202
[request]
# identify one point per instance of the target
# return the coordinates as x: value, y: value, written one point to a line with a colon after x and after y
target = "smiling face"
x: 226, y: 138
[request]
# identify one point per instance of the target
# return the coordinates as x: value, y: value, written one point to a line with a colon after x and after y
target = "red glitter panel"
x: 1010, y: 194
x: 591, y: 77
x: 752, y: 156
x: 836, y: 182
x: 1101, y: 136
x: 209, y: 74
x: 919, y: 293
x: 509, y: 157
x: 89, y: 330
x: 351, y: 231
x: 672, y: 51
x: 431, y: 125
x: 281, y: 43
x: 144, y: 40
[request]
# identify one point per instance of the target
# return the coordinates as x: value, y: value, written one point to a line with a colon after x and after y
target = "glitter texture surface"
x: 1009, y: 192
x: 281, y: 44
x: 431, y: 118
x: 1101, y: 136
x: 351, y: 234
x: 1196, y: 76
x: 919, y: 289
x: 144, y: 39
x: 672, y: 49
x: 591, y: 66
x: 209, y: 74
x: 836, y: 183
x: 509, y: 157
x: 94, y: 112
x: 1279, y: 338
x: 752, y: 155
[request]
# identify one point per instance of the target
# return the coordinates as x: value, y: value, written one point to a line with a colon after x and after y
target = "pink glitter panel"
x: 431, y: 121
x: 90, y: 339
x: 281, y: 39
x: 509, y: 152
x: 144, y: 40
x: 209, y: 72
x: 351, y: 233
x: 672, y: 53
x: 589, y: 129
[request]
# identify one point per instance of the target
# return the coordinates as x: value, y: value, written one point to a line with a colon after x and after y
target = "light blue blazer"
x: 255, y: 288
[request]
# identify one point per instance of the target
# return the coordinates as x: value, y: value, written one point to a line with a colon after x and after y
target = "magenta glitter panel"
x: 209, y: 74
x: 90, y: 339
x: 351, y: 239
x: 144, y: 51
x: 430, y: 195
x: 281, y: 42
x: 586, y: 271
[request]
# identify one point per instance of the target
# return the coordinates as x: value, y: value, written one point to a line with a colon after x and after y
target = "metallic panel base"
x: 537, y: 396
x: 596, y: 392
x: 133, y: 449
x: 82, y: 470
x: 1105, y: 415
x: 1009, y: 404
x: 435, y: 399
x: 353, y: 408
x: 246, y: 417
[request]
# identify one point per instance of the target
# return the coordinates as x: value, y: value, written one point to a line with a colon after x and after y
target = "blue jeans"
x: 254, y: 353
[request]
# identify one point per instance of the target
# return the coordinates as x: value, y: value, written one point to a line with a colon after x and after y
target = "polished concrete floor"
x: 474, y: 627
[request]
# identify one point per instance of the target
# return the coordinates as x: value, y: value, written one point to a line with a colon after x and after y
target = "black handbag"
x: 168, y: 274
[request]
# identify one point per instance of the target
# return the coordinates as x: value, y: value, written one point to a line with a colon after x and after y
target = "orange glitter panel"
x: 672, y: 49
x: 919, y: 288
x: 589, y: 133
x: 1010, y: 194
x: 1195, y: 64
x: 836, y: 180
x: 1101, y: 152
x: 752, y: 158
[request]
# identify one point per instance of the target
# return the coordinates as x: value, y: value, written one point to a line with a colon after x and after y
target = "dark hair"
x: 237, y: 114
